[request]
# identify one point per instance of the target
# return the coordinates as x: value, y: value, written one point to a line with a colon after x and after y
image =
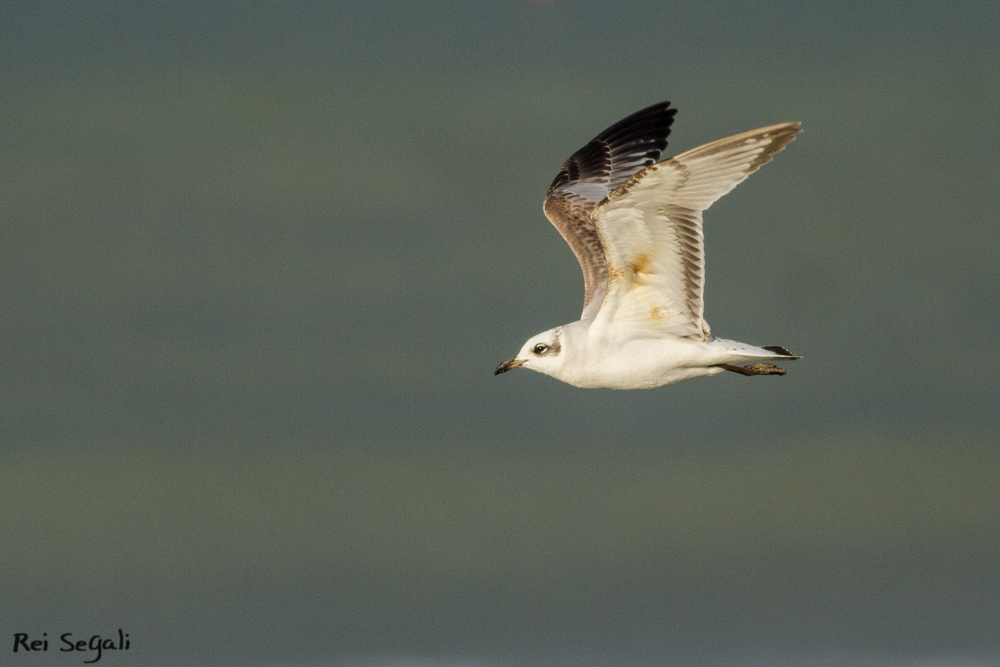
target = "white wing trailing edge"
x: 650, y: 230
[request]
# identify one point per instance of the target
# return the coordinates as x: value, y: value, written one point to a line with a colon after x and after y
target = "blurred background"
x: 258, y: 262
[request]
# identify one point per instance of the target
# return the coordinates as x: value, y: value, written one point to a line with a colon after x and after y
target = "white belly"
x: 642, y: 364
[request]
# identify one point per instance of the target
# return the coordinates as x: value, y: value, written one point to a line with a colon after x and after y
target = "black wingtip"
x: 777, y: 349
x: 631, y: 144
x: 651, y: 124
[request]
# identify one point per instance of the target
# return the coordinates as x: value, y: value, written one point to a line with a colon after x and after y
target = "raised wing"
x: 590, y: 175
x: 651, y: 232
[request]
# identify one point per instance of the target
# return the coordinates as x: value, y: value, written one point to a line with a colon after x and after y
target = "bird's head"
x: 542, y: 353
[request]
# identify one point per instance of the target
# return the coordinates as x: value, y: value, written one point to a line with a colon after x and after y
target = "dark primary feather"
x: 621, y: 150
x: 594, y: 171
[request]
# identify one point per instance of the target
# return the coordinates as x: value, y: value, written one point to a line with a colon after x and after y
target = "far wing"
x: 651, y: 232
x: 593, y: 172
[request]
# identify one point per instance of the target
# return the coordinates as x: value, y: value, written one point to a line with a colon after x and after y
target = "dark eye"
x: 540, y: 348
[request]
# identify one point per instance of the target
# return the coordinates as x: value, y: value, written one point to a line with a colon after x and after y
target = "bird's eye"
x: 540, y: 348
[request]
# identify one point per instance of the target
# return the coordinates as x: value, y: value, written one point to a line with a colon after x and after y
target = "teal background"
x: 259, y: 260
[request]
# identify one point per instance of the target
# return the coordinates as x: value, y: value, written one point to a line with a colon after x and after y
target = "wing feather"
x: 590, y: 175
x: 651, y: 230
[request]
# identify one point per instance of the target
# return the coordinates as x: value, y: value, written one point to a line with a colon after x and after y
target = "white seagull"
x: 635, y: 227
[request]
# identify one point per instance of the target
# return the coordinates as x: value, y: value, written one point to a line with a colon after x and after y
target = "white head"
x: 542, y: 353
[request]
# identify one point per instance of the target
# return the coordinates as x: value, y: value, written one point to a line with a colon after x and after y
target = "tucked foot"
x: 755, y: 369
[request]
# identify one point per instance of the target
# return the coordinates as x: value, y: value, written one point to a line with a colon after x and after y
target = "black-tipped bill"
x: 508, y: 365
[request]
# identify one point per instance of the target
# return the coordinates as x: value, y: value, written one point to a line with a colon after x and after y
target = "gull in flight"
x: 635, y: 227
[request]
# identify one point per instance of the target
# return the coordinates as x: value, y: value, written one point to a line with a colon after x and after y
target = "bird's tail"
x: 736, y: 352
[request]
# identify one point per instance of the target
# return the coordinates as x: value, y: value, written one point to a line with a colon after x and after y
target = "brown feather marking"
x: 572, y: 219
x: 641, y: 264
x: 657, y: 313
x: 615, y: 274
